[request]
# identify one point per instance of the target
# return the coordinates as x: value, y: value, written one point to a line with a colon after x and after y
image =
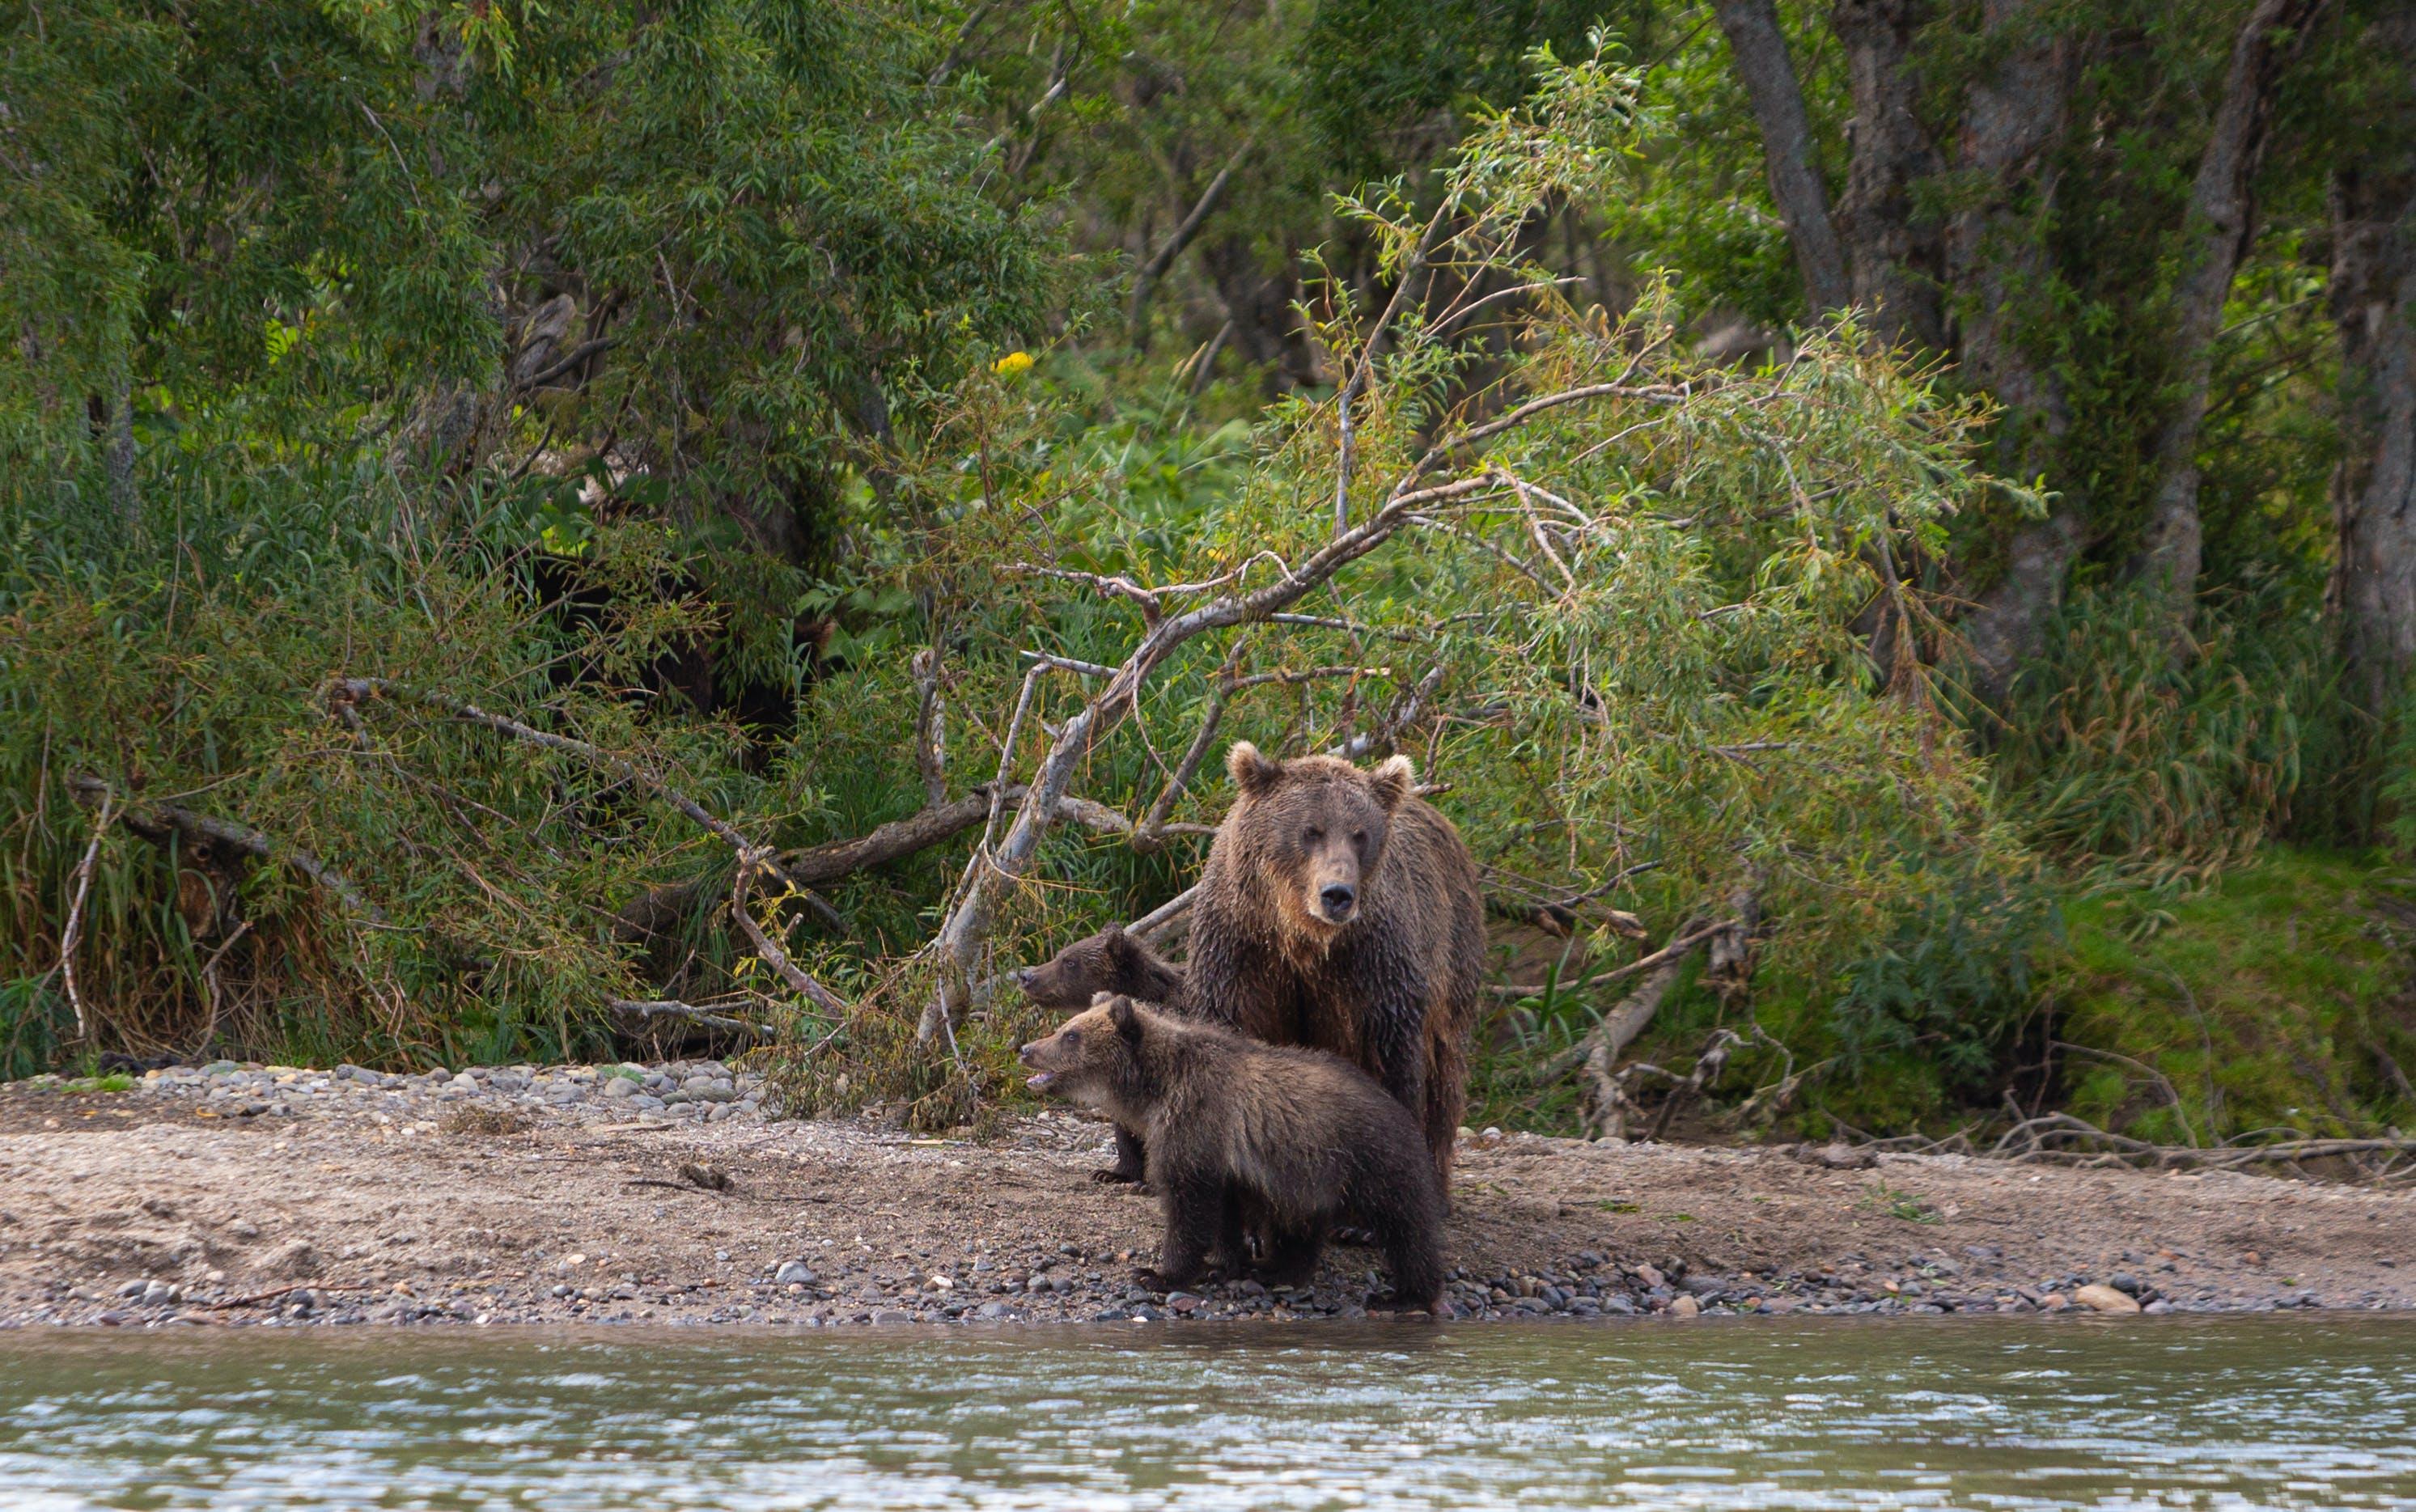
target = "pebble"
x: 611, y: 1093
x: 2105, y: 1298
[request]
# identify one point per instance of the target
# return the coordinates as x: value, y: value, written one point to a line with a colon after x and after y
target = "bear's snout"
x: 1337, y: 900
x: 1024, y: 979
x: 1029, y: 1055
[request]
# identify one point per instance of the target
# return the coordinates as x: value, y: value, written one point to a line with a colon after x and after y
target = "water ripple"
x: 2235, y: 1413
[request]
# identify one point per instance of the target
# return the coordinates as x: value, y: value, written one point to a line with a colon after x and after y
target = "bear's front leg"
x: 1195, y: 1220
x: 1132, y: 1161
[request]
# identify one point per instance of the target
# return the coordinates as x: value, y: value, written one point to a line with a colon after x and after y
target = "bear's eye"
x: 1072, y: 1038
x: 1359, y: 838
x: 1312, y: 834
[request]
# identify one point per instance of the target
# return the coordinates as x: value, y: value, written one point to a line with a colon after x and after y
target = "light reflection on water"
x: 2248, y: 1413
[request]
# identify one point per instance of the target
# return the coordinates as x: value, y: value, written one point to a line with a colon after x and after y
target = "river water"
x: 2143, y: 1412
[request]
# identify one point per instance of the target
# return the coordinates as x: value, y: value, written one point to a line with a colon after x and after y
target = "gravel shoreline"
x: 232, y: 1195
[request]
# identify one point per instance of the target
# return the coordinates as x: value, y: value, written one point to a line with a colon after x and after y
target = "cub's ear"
x: 1252, y: 773
x: 1121, y: 947
x: 1101, y: 1000
x: 1393, y: 779
x: 1127, y: 1023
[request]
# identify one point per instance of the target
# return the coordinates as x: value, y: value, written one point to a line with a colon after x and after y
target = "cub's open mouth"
x: 1038, y: 1081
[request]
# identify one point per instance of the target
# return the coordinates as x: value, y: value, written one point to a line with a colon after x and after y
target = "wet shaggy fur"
x: 1111, y: 962
x: 1245, y: 1135
x: 1391, y: 986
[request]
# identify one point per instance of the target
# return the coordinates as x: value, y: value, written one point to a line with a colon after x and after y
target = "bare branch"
x: 1511, y: 419
x: 1397, y: 719
x: 1675, y: 950
x: 1044, y: 660
x: 1152, y: 826
x: 931, y: 727
x: 1601, y: 1049
x: 1146, y: 276
x: 1163, y: 914
x: 1326, y: 622
x: 74, y: 930
x: 956, y: 52
x: 164, y: 816
x: 1152, y: 608
x: 345, y: 691
x: 1346, y: 427
x: 820, y: 996
x: 2172, y: 1095
x: 1708, y: 1067
x: 672, y: 1008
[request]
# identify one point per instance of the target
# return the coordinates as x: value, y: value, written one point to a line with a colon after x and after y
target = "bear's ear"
x: 1127, y: 1023
x: 1391, y: 781
x: 1252, y: 773
x: 1121, y: 947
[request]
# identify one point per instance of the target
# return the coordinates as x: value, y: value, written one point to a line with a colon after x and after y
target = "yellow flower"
x: 1012, y: 365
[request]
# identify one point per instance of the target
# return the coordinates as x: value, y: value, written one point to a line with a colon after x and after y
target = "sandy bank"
x: 257, y: 1196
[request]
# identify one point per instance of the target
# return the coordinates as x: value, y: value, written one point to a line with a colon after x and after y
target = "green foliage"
x: 1386, y: 81
x: 2277, y: 999
x: 196, y: 678
x: 1654, y: 689
x: 302, y: 224
x: 636, y: 371
x: 2117, y: 744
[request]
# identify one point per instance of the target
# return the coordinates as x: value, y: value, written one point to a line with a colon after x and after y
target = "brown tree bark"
x: 1790, y: 155
x: 1999, y: 272
x: 1891, y: 258
x: 2372, y: 590
x: 2220, y: 224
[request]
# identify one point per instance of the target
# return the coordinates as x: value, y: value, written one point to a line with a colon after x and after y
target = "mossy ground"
x: 2282, y: 997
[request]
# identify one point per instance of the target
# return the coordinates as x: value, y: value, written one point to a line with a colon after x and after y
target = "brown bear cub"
x: 1338, y: 911
x: 1242, y: 1133
x: 1109, y: 962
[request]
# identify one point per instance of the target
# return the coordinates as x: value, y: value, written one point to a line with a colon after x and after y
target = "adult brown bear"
x: 1341, y: 912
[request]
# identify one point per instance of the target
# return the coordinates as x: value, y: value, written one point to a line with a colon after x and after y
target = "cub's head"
x: 1107, y: 961
x: 1094, y: 1060
x: 1314, y: 828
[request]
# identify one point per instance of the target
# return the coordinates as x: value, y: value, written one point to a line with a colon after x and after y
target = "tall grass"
x: 2122, y: 748
x: 181, y: 663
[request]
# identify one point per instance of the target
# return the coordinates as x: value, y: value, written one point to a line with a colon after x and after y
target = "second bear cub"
x: 1111, y: 962
x: 1241, y: 1132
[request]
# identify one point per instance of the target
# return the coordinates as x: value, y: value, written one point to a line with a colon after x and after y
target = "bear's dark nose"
x: 1337, y: 897
x: 1023, y: 978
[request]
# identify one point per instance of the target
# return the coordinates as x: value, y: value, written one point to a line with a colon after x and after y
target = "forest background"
x: 543, y: 532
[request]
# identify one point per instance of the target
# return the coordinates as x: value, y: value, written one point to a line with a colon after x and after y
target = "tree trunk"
x: 2373, y: 489
x: 1789, y: 154
x: 1891, y: 260
x: 1145, y: 278
x: 2002, y: 281
x: 1266, y: 330
x: 2220, y: 224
